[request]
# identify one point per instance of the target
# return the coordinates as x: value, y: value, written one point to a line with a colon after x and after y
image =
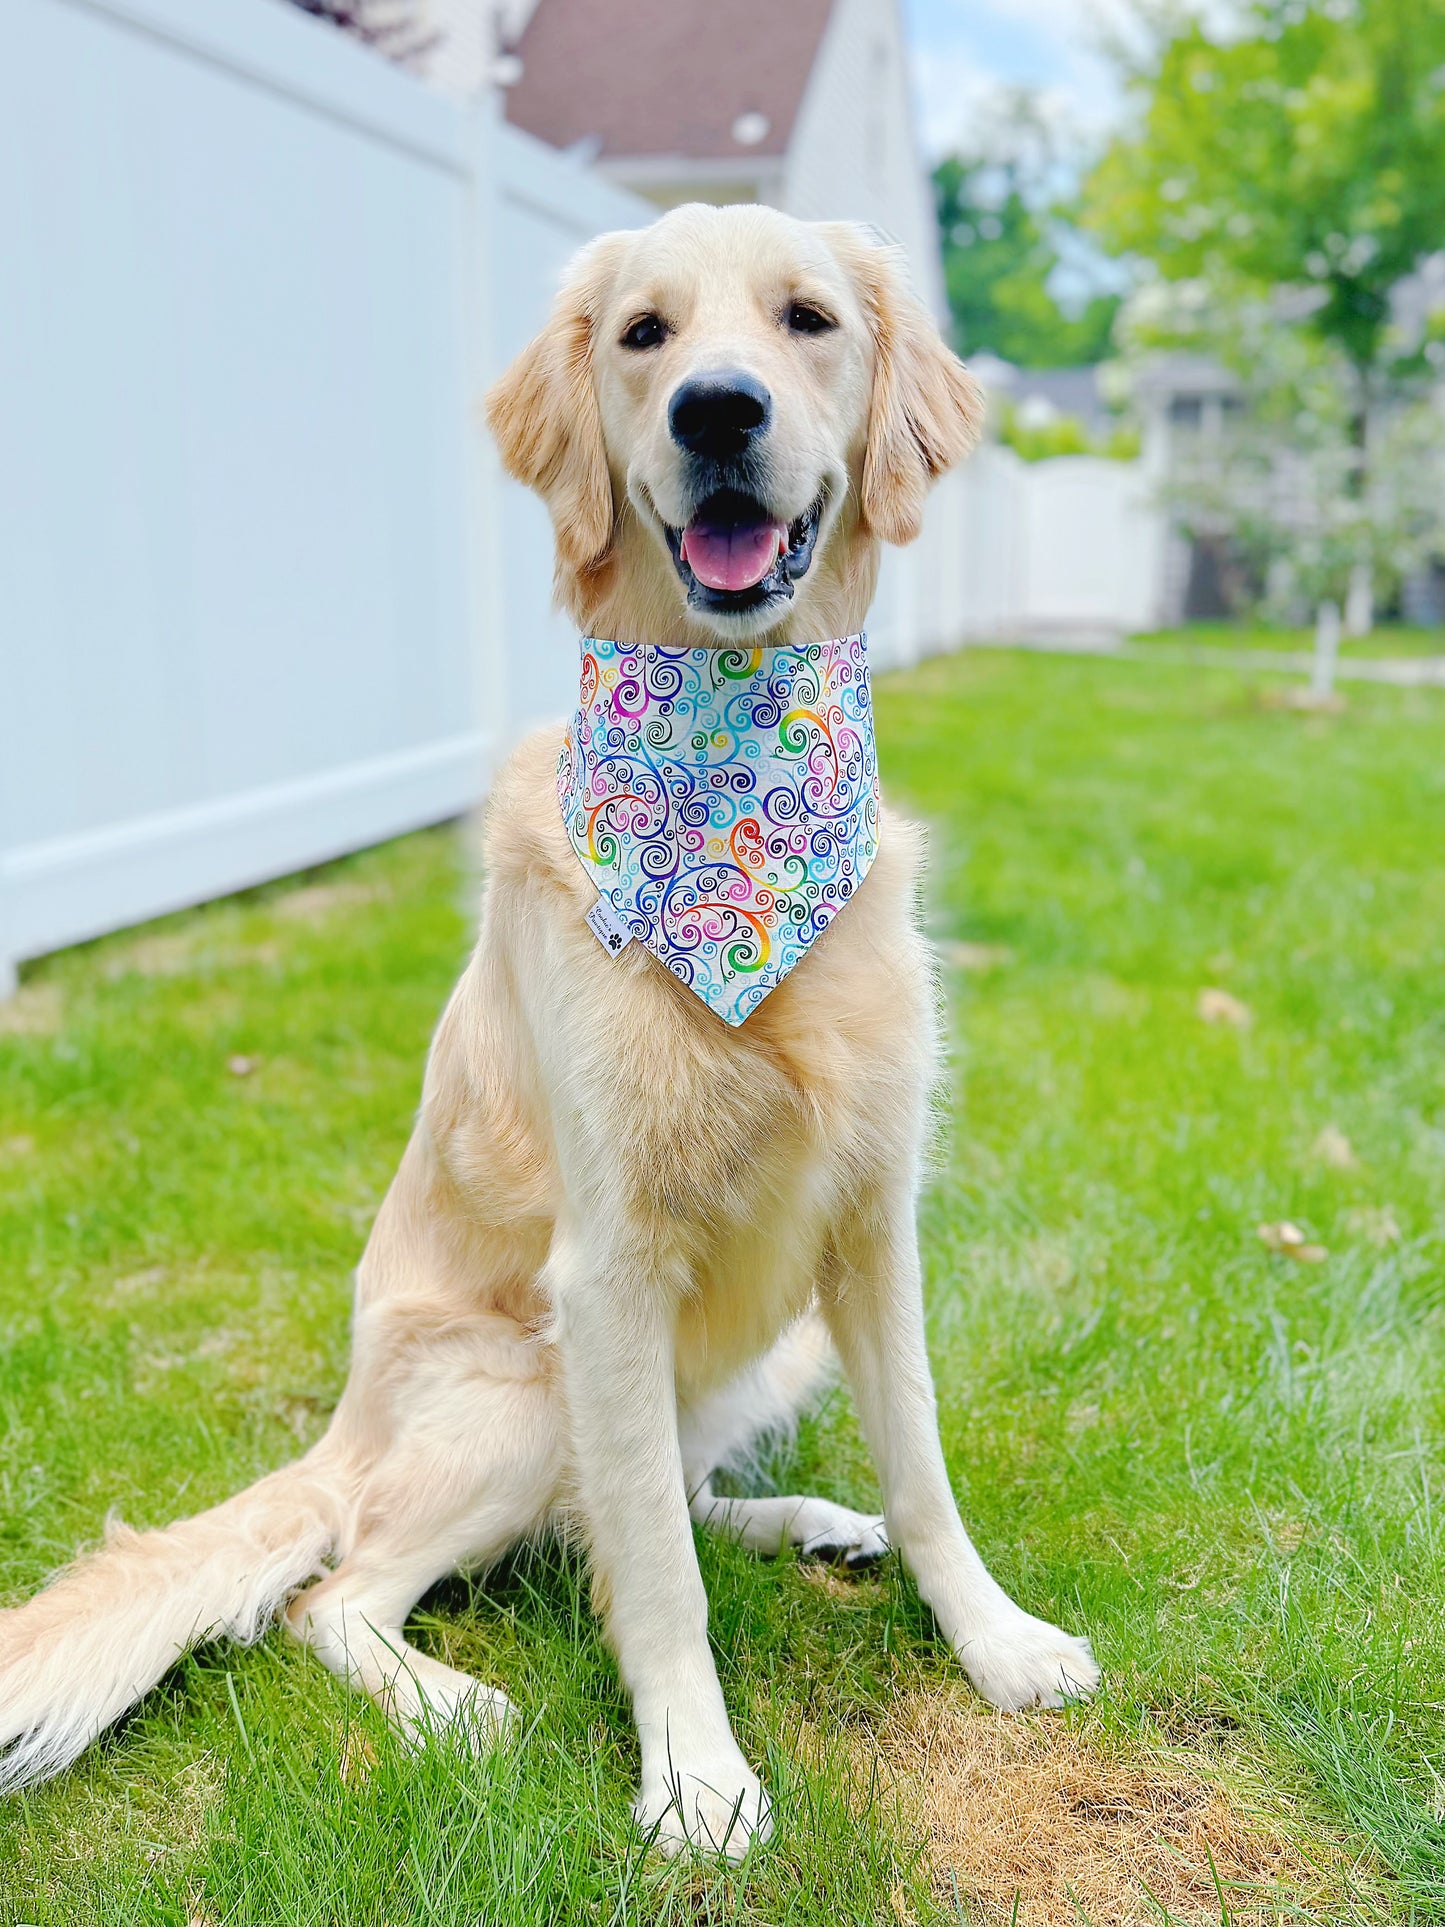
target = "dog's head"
x: 728, y: 406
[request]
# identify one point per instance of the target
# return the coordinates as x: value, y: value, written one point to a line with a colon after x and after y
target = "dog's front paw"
x: 1018, y: 1661
x: 717, y: 1807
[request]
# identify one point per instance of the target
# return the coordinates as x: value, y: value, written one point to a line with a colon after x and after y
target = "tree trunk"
x: 1360, y: 593
x: 1327, y: 651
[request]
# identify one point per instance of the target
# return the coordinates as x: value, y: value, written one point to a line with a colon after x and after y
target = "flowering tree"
x: 388, y: 25
x: 1305, y: 508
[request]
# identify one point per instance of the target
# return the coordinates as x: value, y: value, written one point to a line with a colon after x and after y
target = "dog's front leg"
x: 616, y: 1302
x: 874, y: 1306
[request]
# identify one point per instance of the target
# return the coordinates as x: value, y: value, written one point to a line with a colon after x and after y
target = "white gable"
x: 854, y: 154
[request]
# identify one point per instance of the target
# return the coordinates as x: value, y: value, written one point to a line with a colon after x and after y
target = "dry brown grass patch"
x: 847, y: 1588
x: 179, y: 953
x: 314, y: 902
x: 1028, y: 1821
x: 1222, y: 1007
x: 139, y: 1284
x: 36, y: 1010
x: 978, y: 958
x: 170, y: 954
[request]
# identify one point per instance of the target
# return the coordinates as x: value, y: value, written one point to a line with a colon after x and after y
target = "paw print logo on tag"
x: 608, y: 926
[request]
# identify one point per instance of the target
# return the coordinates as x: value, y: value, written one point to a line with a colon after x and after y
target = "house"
x: 1185, y: 405
x: 1188, y: 405
x: 1042, y: 396
x: 804, y: 104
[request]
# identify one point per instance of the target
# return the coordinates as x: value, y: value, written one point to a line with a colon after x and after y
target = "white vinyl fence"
x: 253, y: 282
x: 263, y: 594
x: 1087, y: 548
x: 1070, y: 546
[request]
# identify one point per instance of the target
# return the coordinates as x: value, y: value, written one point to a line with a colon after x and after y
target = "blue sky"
x: 963, y: 49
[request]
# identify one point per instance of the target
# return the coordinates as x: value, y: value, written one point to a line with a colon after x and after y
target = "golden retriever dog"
x: 626, y: 1238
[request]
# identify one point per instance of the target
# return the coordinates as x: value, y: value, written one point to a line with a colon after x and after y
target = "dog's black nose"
x: 718, y: 415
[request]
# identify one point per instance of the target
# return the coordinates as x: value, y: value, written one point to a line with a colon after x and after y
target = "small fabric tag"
x: 608, y: 926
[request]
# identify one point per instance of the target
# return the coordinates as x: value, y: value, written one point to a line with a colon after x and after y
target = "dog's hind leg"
x: 818, y: 1528
x: 729, y: 1424
x: 473, y: 1476
x: 353, y: 1623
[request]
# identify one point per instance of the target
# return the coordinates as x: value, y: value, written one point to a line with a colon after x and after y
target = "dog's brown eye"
x: 804, y: 319
x: 648, y: 331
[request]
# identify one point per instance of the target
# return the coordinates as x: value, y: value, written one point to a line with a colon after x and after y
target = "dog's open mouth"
x: 735, y: 556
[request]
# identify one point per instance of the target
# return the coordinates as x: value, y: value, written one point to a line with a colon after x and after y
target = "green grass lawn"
x: 1224, y: 1463
x: 1387, y: 639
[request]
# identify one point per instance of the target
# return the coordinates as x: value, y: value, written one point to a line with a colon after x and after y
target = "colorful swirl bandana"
x: 724, y: 802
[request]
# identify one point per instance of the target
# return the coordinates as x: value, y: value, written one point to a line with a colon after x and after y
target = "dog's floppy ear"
x: 544, y: 414
x: 925, y: 411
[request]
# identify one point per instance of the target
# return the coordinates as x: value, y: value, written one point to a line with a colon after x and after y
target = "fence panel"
x: 1092, y: 544
x: 250, y: 537
x: 545, y: 208
x: 233, y: 610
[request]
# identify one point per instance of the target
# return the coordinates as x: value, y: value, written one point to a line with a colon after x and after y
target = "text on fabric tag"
x: 608, y: 926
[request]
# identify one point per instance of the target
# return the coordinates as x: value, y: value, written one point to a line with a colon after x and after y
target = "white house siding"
x: 466, y: 35
x: 854, y: 155
x: 459, y: 62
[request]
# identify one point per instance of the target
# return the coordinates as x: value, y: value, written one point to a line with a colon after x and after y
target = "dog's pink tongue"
x: 732, y: 555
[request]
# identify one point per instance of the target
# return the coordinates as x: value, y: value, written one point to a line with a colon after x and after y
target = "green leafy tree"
x: 1309, y: 151
x: 1300, y: 161
x: 998, y: 260
x: 1002, y: 221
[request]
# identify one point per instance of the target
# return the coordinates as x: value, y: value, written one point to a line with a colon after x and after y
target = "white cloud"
x: 950, y: 85
x: 960, y: 65
x: 963, y: 51
x: 954, y: 92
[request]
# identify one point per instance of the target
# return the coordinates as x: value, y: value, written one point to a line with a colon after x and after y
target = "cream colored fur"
x: 624, y: 1238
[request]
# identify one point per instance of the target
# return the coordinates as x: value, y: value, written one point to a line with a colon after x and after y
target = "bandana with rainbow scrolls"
x: 724, y: 802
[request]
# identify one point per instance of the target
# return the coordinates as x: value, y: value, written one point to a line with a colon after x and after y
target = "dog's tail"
x: 74, y: 1657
